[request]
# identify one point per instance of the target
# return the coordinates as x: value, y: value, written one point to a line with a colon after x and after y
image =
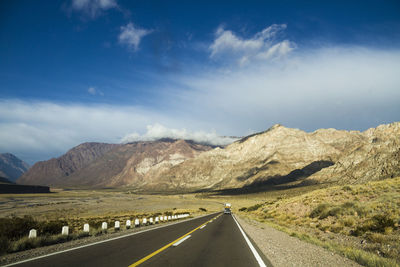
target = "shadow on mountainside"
x: 279, y: 182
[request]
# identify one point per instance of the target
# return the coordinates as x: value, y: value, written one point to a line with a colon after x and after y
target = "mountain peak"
x: 12, y: 167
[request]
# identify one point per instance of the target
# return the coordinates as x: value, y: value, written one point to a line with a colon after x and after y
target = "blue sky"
x: 116, y: 71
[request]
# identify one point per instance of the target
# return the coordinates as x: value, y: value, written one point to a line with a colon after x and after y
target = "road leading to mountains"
x: 213, y: 240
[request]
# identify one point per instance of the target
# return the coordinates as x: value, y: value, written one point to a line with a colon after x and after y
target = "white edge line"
x: 202, y: 226
x: 255, y: 253
x: 99, y: 242
x: 180, y: 241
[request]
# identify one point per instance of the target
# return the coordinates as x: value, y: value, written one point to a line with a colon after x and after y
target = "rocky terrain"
x: 12, y: 167
x: 376, y: 157
x: 277, y: 156
x: 106, y: 165
x: 52, y: 172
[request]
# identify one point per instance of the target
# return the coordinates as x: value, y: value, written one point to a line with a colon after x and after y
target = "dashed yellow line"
x: 168, y: 245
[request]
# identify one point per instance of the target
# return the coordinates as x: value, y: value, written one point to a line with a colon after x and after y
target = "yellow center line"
x: 170, y: 244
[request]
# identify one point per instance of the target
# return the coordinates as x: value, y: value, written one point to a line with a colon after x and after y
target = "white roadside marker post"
x: 137, y: 223
x: 165, y: 218
x: 104, y: 226
x: 65, y: 230
x: 144, y: 221
x: 32, y: 233
x: 151, y: 221
x: 116, y: 225
x: 156, y: 220
x: 128, y: 224
x: 86, y: 227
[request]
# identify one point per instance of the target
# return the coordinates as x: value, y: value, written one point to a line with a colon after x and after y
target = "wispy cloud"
x: 158, y: 131
x: 263, y: 45
x: 131, y: 36
x: 93, y: 8
x: 93, y: 91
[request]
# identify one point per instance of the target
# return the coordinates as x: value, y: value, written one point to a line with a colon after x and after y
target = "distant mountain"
x: 277, y: 156
x: 53, y: 171
x: 116, y: 165
x: 12, y: 167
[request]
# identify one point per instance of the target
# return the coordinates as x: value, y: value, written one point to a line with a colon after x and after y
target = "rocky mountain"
x: 376, y: 158
x: 53, y: 171
x: 120, y: 165
x: 278, y: 156
x: 12, y: 167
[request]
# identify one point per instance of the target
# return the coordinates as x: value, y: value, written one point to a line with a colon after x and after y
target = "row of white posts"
x: 117, y: 224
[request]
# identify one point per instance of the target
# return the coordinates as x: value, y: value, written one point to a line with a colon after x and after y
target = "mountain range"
x: 12, y: 167
x: 277, y: 156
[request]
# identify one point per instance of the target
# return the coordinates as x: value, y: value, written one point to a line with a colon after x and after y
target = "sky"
x: 74, y: 71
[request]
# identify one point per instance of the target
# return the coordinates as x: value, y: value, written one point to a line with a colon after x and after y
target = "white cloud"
x: 93, y: 8
x: 158, y: 131
x: 262, y: 45
x: 52, y: 128
x: 131, y: 36
x: 339, y: 87
x: 93, y: 91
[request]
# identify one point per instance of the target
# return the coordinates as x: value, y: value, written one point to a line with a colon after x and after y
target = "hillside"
x: 276, y: 156
x: 119, y: 165
x: 360, y: 221
x: 378, y: 157
x: 12, y: 167
x: 53, y: 171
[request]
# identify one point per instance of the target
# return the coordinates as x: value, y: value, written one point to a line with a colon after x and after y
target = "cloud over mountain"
x: 158, y: 131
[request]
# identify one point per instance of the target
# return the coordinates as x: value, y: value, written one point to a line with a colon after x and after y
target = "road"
x: 213, y: 240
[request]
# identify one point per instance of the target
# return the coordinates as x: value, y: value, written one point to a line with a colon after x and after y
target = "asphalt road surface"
x: 213, y: 240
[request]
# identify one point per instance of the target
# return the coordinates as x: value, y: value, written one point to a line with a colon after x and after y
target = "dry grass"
x: 359, y: 221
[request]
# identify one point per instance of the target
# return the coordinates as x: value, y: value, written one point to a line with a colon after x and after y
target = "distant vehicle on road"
x: 227, y: 209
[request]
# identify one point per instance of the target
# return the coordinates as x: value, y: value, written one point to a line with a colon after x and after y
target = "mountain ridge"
x: 11, y: 167
x: 279, y: 155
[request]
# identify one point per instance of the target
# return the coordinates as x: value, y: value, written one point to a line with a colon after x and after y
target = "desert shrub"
x: 380, y: 223
x: 324, y: 210
x: 4, y: 244
x: 95, y: 223
x: 16, y: 227
x: 50, y: 227
x: 169, y: 213
x: 254, y: 207
x: 348, y: 221
x: 346, y: 188
x: 243, y: 209
x: 320, y: 210
x: 202, y: 209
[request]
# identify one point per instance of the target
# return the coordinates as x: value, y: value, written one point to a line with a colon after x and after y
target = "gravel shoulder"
x: 284, y: 250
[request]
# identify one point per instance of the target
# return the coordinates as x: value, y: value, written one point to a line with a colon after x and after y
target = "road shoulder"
x: 284, y: 250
